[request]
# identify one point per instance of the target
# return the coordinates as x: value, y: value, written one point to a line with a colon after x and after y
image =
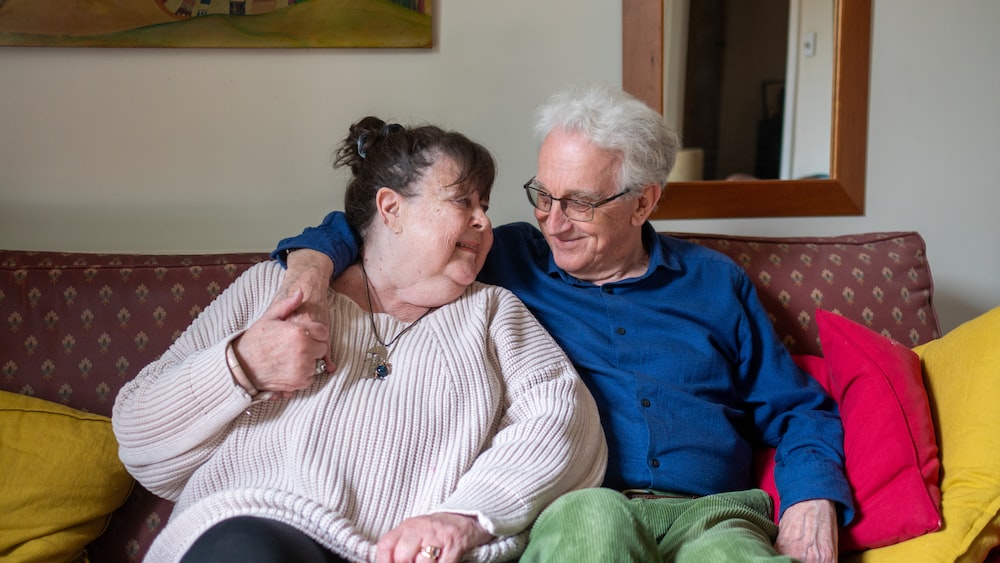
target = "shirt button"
x: 608, y: 289
x: 646, y: 403
x: 655, y: 463
x: 620, y: 330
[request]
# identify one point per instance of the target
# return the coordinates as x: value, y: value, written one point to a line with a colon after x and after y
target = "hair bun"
x: 375, y: 131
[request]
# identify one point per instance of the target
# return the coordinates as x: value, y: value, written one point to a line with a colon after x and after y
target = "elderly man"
x: 671, y: 340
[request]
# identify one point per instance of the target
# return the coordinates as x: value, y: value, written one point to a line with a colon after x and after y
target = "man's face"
x: 600, y: 250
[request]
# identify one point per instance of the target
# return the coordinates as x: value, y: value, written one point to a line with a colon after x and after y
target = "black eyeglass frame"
x: 532, y: 185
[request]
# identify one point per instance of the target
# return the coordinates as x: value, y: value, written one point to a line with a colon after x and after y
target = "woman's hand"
x: 453, y: 534
x: 280, y: 355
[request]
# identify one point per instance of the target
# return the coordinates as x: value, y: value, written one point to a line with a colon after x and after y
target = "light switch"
x: 809, y: 45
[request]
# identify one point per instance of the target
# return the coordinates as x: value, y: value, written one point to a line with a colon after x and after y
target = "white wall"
x: 166, y: 150
x: 160, y: 150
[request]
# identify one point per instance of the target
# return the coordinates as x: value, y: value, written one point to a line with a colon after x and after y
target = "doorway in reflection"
x: 735, y: 61
x: 757, y: 87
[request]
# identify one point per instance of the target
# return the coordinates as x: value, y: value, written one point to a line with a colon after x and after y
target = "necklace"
x: 379, y: 351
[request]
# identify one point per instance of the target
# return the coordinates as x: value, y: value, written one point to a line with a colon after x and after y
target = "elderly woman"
x: 447, y: 419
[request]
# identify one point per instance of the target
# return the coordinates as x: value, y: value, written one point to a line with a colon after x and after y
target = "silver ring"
x: 431, y: 552
x: 320, y: 367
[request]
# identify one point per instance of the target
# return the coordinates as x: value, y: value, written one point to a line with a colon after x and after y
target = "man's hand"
x: 453, y: 533
x: 808, y: 532
x: 308, y: 272
x: 279, y: 355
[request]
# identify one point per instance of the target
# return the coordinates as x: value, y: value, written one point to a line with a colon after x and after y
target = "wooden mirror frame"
x: 842, y: 194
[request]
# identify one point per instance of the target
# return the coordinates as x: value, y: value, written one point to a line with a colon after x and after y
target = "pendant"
x: 380, y: 359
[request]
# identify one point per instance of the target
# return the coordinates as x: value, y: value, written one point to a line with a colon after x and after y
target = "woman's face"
x: 444, y: 235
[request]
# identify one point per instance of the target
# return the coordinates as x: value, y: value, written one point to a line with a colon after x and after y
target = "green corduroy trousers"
x: 604, y: 525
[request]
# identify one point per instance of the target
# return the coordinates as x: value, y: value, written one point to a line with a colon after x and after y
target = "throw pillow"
x: 961, y: 370
x: 889, y: 443
x: 60, y: 476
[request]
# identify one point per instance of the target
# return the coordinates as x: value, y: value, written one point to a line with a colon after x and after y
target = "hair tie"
x: 361, y: 145
x: 387, y: 129
x: 390, y: 128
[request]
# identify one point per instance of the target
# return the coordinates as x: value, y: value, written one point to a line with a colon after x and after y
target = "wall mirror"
x: 842, y: 193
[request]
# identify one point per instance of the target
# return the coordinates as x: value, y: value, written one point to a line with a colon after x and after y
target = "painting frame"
x: 244, y: 24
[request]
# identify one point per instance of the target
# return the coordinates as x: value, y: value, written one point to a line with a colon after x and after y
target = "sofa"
x: 77, y: 326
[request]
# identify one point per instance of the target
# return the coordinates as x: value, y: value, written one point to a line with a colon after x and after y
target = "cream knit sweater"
x: 482, y: 415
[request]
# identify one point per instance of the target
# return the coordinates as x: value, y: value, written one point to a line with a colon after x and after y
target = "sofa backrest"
x: 78, y: 326
x: 881, y: 280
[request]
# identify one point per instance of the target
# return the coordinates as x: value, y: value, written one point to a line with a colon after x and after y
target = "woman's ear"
x: 388, y: 203
x: 646, y: 203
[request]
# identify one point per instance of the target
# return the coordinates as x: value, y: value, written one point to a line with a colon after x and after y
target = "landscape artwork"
x: 217, y: 23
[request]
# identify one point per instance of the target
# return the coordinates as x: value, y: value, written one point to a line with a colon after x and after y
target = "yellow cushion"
x: 962, y: 373
x: 60, y: 479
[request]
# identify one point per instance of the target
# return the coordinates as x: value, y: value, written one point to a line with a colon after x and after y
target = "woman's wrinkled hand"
x: 453, y: 534
x: 280, y: 355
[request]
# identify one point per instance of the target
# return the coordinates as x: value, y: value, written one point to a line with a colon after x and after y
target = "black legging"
x: 248, y: 539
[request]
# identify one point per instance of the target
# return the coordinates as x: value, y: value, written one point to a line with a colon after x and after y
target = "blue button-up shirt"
x: 683, y: 362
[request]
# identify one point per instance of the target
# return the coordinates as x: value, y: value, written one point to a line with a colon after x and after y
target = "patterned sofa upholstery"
x: 79, y: 325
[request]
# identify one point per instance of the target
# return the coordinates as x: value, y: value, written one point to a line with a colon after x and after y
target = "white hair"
x: 615, y: 121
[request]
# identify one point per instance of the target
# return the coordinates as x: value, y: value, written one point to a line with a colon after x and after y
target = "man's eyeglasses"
x: 574, y: 209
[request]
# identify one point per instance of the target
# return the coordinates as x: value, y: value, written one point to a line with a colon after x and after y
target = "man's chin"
x: 566, y: 262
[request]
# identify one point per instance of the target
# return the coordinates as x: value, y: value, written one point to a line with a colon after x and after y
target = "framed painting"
x: 217, y: 23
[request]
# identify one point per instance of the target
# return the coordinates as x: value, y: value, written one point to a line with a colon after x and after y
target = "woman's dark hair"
x: 396, y: 157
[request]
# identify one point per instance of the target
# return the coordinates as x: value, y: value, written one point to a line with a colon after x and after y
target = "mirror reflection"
x: 749, y: 83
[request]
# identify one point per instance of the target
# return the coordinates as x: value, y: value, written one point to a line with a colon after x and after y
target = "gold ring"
x: 431, y: 552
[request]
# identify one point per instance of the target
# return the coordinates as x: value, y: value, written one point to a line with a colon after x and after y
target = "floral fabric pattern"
x: 77, y: 326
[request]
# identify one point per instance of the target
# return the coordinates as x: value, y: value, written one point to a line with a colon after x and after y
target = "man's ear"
x: 647, y: 201
x: 388, y: 205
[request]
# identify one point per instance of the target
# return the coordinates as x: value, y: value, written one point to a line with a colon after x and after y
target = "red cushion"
x: 889, y: 442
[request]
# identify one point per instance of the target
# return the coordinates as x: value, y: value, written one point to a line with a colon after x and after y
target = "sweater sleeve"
x: 172, y: 417
x: 333, y: 237
x: 550, y: 439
